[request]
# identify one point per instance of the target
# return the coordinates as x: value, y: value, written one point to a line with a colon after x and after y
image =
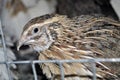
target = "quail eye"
x: 35, y: 30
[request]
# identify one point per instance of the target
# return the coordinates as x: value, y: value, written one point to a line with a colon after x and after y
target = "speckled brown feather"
x: 15, y: 6
x: 83, y: 37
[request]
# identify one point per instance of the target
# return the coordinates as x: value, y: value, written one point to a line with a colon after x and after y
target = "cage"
x: 7, y: 63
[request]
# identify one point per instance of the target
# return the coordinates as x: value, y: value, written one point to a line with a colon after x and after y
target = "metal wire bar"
x: 34, y: 71
x: 1, y: 31
x: 93, y: 61
x: 64, y: 61
x: 94, y: 69
x: 5, y: 52
x: 3, y: 39
x: 61, y: 70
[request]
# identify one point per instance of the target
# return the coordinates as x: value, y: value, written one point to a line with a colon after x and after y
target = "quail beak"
x: 21, y: 42
x: 19, y: 45
x: 24, y: 41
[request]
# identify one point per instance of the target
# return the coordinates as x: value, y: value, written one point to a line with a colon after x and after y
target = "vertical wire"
x: 3, y: 39
x: 61, y: 70
x: 94, y: 69
x: 1, y: 31
x: 34, y: 71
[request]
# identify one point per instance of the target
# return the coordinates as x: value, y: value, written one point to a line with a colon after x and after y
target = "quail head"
x: 56, y: 37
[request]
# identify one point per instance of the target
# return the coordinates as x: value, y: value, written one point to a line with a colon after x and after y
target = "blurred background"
x: 16, y: 13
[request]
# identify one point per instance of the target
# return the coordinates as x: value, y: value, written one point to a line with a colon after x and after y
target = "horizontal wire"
x: 63, y: 61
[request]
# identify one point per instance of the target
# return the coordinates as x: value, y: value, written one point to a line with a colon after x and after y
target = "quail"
x: 57, y: 37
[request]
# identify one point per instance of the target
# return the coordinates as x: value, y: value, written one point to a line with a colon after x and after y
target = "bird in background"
x: 18, y: 12
x: 57, y: 37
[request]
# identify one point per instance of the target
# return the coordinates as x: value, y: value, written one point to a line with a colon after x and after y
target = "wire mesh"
x: 60, y: 62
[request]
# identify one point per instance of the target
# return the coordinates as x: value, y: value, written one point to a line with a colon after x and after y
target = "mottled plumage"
x: 56, y: 37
